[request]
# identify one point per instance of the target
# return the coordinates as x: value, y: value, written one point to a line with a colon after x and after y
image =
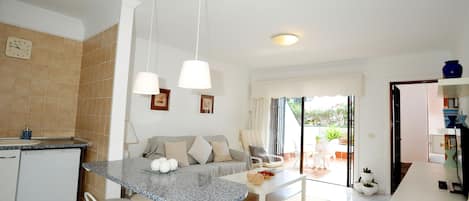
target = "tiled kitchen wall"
x: 94, y: 101
x: 40, y: 92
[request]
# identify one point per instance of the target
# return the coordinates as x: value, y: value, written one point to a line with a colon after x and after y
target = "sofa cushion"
x: 200, y: 150
x: 221, y: 151
x: 259, y: 152
x: 177, y: 150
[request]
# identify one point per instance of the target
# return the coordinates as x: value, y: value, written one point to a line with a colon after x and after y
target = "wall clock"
x: 18, y: 48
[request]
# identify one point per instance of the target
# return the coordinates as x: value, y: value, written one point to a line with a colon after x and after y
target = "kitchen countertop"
x: 180, y: 185
x: 49, y: 143
x: 421, y: 183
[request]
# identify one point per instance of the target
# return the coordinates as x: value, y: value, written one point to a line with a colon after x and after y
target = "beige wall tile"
x: 30, y: 89
x: 95, y: 91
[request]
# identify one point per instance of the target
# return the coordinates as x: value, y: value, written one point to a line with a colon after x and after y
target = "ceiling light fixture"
x: 147, y: 83
x: 195, y: 74
x: 285, y: 39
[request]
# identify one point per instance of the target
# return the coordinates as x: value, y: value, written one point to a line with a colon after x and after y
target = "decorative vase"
x: 165, y: 167
x: 155, y: 165
x: 370, y: 190
x: 358, y: 187
x: 451, y: 123
x: 452, y: 69
x: 366, y: 177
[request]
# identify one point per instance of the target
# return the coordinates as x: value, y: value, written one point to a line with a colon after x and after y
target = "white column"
x: 119, y: 91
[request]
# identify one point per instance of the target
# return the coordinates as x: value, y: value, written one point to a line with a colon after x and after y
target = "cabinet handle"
x: 7, y: 157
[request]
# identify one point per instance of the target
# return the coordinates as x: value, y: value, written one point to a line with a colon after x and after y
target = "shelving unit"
x: 446, y: 131
x: 454, y: 87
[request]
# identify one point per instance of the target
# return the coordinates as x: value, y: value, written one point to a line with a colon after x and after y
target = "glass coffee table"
x: 281, y: 180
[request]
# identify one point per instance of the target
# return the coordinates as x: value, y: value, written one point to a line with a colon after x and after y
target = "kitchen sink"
x: 18, y: 142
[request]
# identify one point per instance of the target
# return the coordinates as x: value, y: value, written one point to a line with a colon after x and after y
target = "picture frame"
x: 206, y: 104
x: 161, y: 100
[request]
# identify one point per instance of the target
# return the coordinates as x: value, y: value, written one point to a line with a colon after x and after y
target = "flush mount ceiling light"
x: 195, y: 74
x: 285, y: 39
x: 147, y: 83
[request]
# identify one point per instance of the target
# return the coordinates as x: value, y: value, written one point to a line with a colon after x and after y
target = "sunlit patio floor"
x: 336, y: 173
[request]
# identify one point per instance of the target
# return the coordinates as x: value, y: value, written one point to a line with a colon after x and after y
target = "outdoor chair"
x: 252, y: 144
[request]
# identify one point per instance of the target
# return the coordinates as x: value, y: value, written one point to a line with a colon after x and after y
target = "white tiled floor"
x: 318, y: 191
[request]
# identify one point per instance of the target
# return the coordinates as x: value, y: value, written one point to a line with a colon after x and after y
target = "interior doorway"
x: 416, y: 117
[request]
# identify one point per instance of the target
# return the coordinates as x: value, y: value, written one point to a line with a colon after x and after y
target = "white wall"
x: 462, y: 49
x: 462, y: 53
x: 372, y: 129
x: 183, y: 118
x: 436, y: 120
x: 414, y: 123
x: 38, y: 19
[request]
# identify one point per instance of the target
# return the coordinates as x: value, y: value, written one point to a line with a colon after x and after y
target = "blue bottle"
x: 27, y: 134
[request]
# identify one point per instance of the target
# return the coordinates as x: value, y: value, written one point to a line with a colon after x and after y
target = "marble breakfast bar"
x: 184, y: 184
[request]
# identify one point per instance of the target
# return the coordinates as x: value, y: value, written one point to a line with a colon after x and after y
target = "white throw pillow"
x: 200, y: 150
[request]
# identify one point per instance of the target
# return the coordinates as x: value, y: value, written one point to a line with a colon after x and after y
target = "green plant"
x: 366, y: 170
x: 368, y: 185
x: 318, y: 138
x: 333, y: 133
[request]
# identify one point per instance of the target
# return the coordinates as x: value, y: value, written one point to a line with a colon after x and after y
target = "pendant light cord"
x: 151, y: 34
x: 198, y: 32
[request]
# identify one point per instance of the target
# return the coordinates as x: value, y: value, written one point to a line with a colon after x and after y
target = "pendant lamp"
x: 195, y: 74
x: 147, y: 83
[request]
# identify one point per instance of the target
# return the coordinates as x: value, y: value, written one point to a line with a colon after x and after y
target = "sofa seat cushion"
x: 228, y: 167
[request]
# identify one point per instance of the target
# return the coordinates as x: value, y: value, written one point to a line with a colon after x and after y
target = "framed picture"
x: 160, y: 101
x: 206, y: 104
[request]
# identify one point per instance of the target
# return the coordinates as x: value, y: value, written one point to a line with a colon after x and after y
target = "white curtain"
x: 259, y: 120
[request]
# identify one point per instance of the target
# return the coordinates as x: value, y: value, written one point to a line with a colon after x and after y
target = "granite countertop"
x: 180, y: 185
x: 49, y: 143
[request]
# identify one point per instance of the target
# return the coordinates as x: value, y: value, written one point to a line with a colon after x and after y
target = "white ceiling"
x: 96, y: 15
x: 239, y: 31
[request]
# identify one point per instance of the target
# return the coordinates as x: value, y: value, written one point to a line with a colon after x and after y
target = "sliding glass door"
x: 317, y: 136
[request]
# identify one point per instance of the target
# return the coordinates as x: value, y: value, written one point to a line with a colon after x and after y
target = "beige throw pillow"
x: 177, y: 150
x: 221, y: 151
x: 200, y: 150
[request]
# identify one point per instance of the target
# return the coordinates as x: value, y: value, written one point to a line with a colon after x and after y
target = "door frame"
x: 391, y: 122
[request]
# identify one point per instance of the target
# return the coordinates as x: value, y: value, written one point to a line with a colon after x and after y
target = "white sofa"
x: 241, y: 162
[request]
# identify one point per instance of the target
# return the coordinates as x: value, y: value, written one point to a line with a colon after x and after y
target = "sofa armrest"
x: 241, y: 156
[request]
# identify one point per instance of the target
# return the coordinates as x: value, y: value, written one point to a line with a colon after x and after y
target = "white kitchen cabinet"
x: 9, y: 162
x: 49, y: 175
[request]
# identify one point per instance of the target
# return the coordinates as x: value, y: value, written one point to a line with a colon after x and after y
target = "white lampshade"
x: 130, y: 134
x: 146, y: 83
x: 195, y: 74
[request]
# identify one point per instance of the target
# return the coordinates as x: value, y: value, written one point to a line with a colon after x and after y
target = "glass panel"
x: 325, y: 139
x: 351, y: 139
x: 292, y: 132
